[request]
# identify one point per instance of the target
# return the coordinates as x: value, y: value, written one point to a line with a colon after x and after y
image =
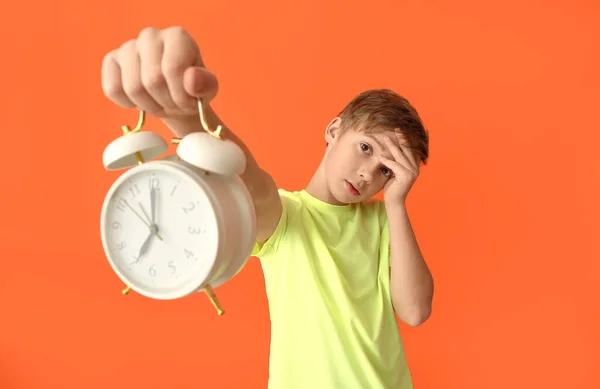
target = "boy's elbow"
x: 418, y: 317
x: 415, y: 316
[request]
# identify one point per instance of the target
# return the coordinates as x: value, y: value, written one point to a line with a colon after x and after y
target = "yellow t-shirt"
x: 327, y: 276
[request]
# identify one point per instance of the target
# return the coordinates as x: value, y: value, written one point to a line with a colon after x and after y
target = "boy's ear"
x: 333, y: 130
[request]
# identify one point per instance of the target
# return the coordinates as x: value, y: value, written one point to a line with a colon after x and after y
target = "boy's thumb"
x: 200, y: 83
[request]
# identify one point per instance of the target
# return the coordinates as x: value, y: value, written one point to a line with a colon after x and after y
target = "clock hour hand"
x: 146, y: 243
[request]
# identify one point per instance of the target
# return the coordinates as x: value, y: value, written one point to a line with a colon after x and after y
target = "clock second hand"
x: 140, y: 217
x: 153, y: 227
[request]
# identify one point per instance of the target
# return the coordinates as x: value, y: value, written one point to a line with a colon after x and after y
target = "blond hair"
x: 385, y: 110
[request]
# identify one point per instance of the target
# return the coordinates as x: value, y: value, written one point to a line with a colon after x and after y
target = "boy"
x: 338, y: 265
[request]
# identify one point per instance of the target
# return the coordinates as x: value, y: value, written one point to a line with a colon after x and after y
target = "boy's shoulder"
x: 296, y: 200
x: 303, y: 216
x: 290, y: 199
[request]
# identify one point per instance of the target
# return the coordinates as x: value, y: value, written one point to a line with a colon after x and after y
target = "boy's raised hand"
x: 160, y: 72
x: 405, y: 168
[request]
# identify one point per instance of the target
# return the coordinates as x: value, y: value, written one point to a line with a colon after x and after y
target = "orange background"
x: 506, y: 213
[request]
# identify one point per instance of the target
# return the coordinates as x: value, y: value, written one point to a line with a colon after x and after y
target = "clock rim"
x: 249, y: 233
x: 200, y: 277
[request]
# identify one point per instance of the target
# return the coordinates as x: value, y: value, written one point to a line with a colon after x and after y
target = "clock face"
x: 159, y: 230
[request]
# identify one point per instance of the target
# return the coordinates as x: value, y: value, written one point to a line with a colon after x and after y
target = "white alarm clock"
x: 180, y: 224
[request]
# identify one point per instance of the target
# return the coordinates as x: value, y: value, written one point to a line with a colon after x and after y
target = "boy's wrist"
x: 396, y: 204
x: 182, y: 126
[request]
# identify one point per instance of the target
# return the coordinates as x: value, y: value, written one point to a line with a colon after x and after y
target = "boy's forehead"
x: 378, y: 136
x: 376, y: 140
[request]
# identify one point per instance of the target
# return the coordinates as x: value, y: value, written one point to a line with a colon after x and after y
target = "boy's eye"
x: 365, y: 147
x: 386, y: 172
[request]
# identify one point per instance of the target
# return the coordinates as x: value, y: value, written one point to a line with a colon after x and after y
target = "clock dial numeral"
x: 121, y: 246
x: 188, y: 253
x: 136, y: 260
x: 175, y: 188
x: 193, y: 230
x: 153, y: 183
x: 134, y: 190
x: 121, y: 204
x: 115, y: 225
x: 152, y: 271
x: 172, y: 267
x: 189, y: 208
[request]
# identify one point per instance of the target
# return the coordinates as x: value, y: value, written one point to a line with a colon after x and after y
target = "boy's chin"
x: 344, y: 195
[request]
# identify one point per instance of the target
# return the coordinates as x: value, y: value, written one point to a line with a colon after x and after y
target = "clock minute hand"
x: 146, y: 220
x: 152, y: 205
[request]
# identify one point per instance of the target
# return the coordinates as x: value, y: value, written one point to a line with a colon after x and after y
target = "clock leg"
x: 126, y: 291
x: 213, y: 299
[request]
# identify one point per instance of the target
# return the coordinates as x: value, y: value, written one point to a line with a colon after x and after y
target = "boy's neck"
x: 318, y: 188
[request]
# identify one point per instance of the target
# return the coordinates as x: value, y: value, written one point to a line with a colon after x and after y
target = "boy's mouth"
x: 352, y: 189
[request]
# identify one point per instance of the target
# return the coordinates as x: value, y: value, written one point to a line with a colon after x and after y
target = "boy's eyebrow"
x: 376, y: 141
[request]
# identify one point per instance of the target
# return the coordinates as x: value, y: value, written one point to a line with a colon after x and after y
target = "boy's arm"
x: 411, y: 282
x: 260, y: 184
x: 162, y: 73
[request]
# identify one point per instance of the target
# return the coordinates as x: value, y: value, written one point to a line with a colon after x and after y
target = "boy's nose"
x: 366, y: 173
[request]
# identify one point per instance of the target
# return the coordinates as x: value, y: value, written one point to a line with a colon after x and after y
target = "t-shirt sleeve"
x: 261, y: 250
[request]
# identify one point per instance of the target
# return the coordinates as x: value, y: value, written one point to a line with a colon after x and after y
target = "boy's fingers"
x: 410, y: 155
x: 200, y: 83
x: 395, y: 166
x: 112, y: 81
x: 395, y: 150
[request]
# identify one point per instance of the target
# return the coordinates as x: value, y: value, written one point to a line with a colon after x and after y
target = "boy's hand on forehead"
x: 404, y: 167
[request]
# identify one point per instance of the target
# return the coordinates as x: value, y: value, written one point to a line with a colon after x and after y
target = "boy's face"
x: 352, y: 168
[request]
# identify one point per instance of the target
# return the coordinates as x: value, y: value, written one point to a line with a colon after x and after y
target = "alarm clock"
x: 183, y: 223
